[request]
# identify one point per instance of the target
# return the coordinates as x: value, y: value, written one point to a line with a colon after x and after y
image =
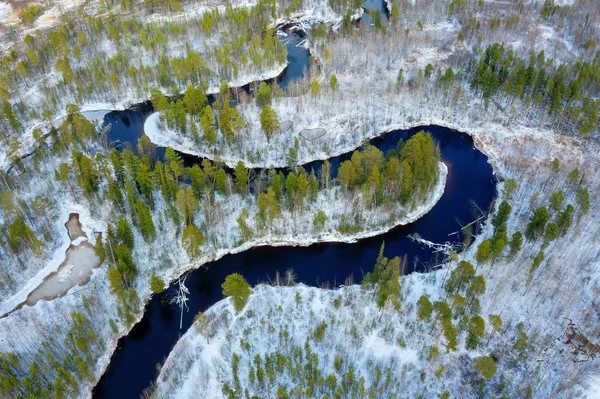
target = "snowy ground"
x: 167, y: 258
x: 565, y: 286
x: 196, y: 366
x: 516, y: 148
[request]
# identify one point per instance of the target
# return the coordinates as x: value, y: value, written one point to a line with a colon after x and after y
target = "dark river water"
x: 470, y: 181
x: 470, y: 185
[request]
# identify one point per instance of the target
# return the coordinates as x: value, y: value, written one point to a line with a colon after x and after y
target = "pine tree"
x: 485, y: 366
x: 145, y: 222
x: 501, y: 216
x: 114, y: 194
x: 582, y: 197
x: 207, y: 124
x: 347, y: 175
x: 241, y: 178
x: 114, y: 279
x: 188, y: 203
x: 99, y: 249
x: 194, y: 100
x: 556, y: 200
x: 536, y: 225
x: 315, y: 88
x: 144, y: 178
x: 124, y: 232
x: 221, y: 182
x: 319, y: 220
x: 245, y: 230
x: 192, y: 239
x: 268, y: 207
x: 263, y: 97
x: 476, y: 330
x: 460, y: 277
x: 424, y: 308
x: 277, y: 185
x: 564, y: 219
x: 515, y: 243
x: 496, y: 322
x: 198, y: 179
x: 537, y: 261
x: 125, y: 265
x: 230, y: 121
x: 483, y: 251
x: 236, y: 287
x: 157, y: 285
x: 269, y: 121
x: 333, y: 83
x: 551, y: 233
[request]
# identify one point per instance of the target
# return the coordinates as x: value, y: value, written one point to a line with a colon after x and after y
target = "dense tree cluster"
x: 567, y: 92
x: 244, y: 41
x: 62, y: 365
x: 402, y: 174
x: 302, y: 368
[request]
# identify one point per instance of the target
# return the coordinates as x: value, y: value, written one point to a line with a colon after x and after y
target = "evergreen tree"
x: 556, y: 200
x: 515, y: 243
x: 551, y: 233
x: 263, y: 97
x: 245, y: 230
x: 192, y: 240
x: 238, y: 289
x: 333, y: 83
x: 157, y: 285
x: 221, y: 182
x: 424, y: 309
x: 347, y: 175
x: 536, y: 225
x: 124, y: 232
x: 198, y: 179
x: 230, y: 121
x: 268, y: 207
x: 269, y: 121
x: 460, y: 277
x: 496, y: 322
x: 99, y: 249
x: 582, y: 197
x: 241, y: 178
x: 207, y: 124
x: 476, y: 331
x: 389, y: 285
x: 194, y: 100
x: 319, y: 220
x: 315, y: 88
x: 501, y: 217
x: 485, y: 366
x: 145, y: 223
x: 564, y: 219
x: 188, y: 203
x: 20, y: 234
x: 484, y: 251
x: 144, y: 178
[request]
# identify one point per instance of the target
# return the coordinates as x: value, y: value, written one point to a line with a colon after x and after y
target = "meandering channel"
x: 470, y: 186
x: 470, y: 189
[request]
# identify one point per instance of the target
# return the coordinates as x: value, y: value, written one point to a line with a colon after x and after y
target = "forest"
x: 220, y: 171
x: 145, y: 195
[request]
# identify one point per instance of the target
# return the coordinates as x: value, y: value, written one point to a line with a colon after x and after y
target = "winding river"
x: 470, y: 185
x: 470, y: 189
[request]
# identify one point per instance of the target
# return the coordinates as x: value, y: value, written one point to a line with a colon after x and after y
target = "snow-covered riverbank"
x: 534, y: 306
